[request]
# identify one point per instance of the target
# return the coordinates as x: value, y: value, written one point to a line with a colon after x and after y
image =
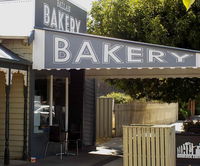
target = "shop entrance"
x: 42, y: 102
x: 58, y: 101
x: 50, y: 109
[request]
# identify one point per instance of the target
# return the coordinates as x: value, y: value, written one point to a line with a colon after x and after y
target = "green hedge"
x: 120, y: 98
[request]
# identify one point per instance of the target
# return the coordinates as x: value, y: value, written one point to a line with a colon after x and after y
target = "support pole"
x: 66, y: 112
x: 66, y: 104
x: 7, y: 119
x: 25, y: 152
x: 51, y: 102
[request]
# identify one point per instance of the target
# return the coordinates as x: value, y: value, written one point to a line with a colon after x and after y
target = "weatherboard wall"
x: 16, y: 128
x: 2, y: 112
x: 23, y: 50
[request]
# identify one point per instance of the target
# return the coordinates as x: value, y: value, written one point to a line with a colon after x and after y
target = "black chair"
x: 74, y: 141
x: 56, y: 135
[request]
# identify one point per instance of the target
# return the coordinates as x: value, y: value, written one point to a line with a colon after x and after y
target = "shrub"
x: 184, y: 114
x: 119, y: 98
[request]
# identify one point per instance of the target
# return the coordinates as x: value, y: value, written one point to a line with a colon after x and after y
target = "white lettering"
x: 60, y: 20
x: 62, y: 54
x: 110, y: 53
x: 180, y: 58
x: 72, y: 24
x: 155, y: 55
x: 54, y: 19
x: 86, y: 52
x: 67, y: 23
x: 63, y: 6
x: 134, y: 52
x: 46, y: 14
x: 78, y: 24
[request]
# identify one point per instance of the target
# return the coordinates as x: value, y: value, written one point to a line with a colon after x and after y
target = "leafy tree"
x: 155, y: 21
x: 120, y: 98
x: 163, y: 22
x: 167, y: 90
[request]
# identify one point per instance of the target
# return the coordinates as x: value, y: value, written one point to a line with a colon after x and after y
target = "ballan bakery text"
x: 58, y: 18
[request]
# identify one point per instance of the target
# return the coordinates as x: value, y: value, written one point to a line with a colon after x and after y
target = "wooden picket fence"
x: 144, y: 113
x: 149, y: 145
x: 111, y: 117
x: 104, y: 117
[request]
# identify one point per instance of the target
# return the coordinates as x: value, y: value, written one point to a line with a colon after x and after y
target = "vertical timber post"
x: 66, y: 112
x: 51, y: 102
x: 66, y: 104
x: 25, y: 152
x: 7, y: 119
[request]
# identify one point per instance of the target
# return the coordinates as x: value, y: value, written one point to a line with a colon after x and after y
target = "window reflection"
x: 41, y: 105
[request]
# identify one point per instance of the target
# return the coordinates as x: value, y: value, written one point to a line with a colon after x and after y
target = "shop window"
x: 41, y: 105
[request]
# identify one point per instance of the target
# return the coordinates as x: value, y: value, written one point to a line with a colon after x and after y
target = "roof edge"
x: 19, y: 60
x: 14, y: 37
x: 78, y: 5
x: 121, y: 40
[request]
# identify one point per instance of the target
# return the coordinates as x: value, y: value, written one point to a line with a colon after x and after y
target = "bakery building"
x: 47, y: 68
x: 27, y: 95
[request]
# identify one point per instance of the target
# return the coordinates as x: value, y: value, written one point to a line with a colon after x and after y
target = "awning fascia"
x: 27, y: 39
x: 44, y: 52
x: 143, y: 73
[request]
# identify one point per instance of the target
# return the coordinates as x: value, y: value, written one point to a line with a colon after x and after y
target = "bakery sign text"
x: 66, y: 50
x: 133, y: 54
x: 60, y: 15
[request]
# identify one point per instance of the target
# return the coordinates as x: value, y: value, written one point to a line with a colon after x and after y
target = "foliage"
x: 166, y: 90
x: 155, y: 21
x: 120, y: 98
x: 184, y: 113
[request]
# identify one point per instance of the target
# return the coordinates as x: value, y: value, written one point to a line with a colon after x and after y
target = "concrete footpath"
x: 105, y: 154
x: 81, y: 160
x: 117, y: 162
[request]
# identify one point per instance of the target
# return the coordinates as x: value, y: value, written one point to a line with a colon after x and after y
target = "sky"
x: 24, y: 29
x: 84, y: 3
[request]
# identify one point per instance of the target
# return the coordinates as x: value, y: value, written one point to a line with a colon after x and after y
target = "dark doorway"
x: 76, y: 90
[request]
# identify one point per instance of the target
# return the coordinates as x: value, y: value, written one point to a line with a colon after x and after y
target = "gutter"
x: 26, y: 39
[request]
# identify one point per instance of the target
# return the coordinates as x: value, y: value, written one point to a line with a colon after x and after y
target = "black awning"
x: 7, y: 56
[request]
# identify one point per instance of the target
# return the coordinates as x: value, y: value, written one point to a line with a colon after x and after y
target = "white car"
x: 43, y: 110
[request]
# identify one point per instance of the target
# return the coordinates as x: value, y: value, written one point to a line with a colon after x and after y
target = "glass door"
x: 50, y: 103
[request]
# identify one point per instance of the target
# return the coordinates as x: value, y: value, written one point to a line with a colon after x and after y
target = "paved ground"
x: 107, y: 154
x: 117, y: 162
x: 84, y: 159
x: 111, y: 147
x: 14, y: 163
